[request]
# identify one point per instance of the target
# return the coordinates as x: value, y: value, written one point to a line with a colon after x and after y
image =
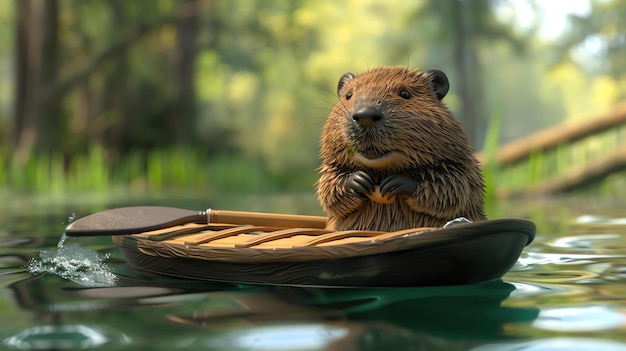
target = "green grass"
x: 491, y: 169
x: 177, y: 168
x: 552, y: 164
x: 195, y: 170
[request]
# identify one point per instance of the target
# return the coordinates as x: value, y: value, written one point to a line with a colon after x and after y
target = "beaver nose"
x: 367, y: 116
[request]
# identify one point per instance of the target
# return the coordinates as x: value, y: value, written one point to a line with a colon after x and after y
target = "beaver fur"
x: 394, y: 157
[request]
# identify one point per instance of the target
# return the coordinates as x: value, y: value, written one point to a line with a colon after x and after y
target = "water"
x: 567, y: 292
x: 83, y: 266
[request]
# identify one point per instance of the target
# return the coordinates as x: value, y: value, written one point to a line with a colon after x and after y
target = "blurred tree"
x: 114, y: 76
x: 49, y: 126
x: 250, y: 82
x: 37, y: 117
x: 255, y: 79
x: 184, y: 121
x: 597, y: 41
x: 26, y: 35
x: 461, y: 30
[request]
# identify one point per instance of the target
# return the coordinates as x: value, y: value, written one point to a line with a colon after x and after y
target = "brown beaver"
x: 394, y: 157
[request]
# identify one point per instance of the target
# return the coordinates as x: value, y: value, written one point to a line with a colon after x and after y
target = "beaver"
x: 394, y: 157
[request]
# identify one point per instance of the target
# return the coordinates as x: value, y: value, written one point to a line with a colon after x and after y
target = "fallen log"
x: 580, y: 176
x: 550, y: 138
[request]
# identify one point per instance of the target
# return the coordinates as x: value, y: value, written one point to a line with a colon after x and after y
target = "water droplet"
x: 78, y: 264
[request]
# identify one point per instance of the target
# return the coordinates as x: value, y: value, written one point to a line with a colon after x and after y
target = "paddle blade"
x: 132, y: 220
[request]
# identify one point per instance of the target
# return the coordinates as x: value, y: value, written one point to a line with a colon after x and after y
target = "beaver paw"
x: 359, y: 184
x: 398, y: 184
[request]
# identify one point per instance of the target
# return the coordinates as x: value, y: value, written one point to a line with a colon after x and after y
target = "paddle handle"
x: 265, y: 219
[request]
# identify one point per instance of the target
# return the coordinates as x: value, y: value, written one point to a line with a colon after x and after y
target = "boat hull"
x: 462, y: 254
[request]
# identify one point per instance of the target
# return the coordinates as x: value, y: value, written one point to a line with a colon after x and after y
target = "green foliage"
x: 263, y: 80
x: 553, y: 165
x: 140, y: 172
x: 596, y: 40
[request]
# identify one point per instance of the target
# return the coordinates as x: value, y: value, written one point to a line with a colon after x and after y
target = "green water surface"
x: 567, y: 292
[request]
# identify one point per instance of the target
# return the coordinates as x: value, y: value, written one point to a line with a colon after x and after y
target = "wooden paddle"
x: 137, y: 219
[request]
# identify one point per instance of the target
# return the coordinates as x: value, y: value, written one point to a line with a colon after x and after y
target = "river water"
x: 566, y: 292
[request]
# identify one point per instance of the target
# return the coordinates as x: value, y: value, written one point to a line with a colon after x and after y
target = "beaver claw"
x: 360, y: 184
x: 396, y: 184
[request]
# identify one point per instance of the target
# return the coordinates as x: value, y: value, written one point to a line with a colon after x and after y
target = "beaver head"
x: 392, y: 119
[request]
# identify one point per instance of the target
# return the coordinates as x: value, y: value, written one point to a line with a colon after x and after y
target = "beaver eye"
x: 348, y: 95
x: 404, y: 94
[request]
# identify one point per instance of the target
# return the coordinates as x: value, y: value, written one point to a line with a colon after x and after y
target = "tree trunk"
x: 468, y: 68
x: 26, y: 62
x: 184, y: 120
x: 549, y: 139
x: 110, y: 132
x: 48, y: 122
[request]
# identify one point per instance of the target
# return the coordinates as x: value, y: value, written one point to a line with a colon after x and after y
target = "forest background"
x: 144, y: 95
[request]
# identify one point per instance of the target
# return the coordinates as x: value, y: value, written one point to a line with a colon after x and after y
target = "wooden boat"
x: 459, y: 254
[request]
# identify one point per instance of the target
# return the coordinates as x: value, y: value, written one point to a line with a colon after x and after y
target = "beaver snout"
x: 367, y: 116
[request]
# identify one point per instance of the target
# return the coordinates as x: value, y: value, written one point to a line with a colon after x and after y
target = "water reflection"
x: 62, y: 337
x: 305, y: 336
x: 567, y: 292
x: 277, y: 337
x: 248, y: 317
x: 580, y: 318
x: 556, y: 344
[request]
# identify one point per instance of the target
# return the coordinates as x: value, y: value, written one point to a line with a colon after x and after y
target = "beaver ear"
x: 343, y: 81
x: 438, y: 82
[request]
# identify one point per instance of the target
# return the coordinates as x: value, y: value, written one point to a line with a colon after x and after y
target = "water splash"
x: 78, y: 264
